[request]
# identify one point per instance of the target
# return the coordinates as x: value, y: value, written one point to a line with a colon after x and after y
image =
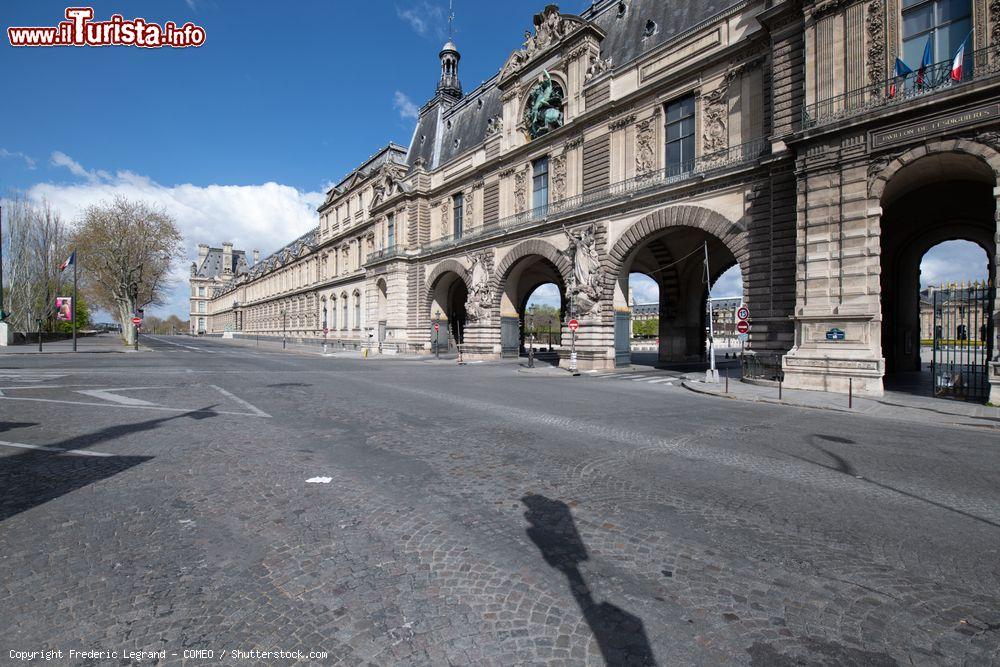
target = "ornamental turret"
x: 449, y: 84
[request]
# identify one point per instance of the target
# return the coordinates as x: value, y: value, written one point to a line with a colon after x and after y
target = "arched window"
x: 345, y: 305
x: 333, y: 313
x: 357, y: 310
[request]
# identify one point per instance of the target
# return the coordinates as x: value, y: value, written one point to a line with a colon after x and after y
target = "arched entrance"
x: 936, y: 198
x: 381, y: 308
x: 669, y: 246
x: 542, y: 318
x: 448, y: 295
x: 522, y: 271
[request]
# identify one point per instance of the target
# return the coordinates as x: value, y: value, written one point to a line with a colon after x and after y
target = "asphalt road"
x: 208, y: 497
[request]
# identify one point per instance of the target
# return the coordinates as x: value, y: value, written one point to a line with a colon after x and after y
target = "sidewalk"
x: 892, y: 405
x: 333, y: 349
x: 108, y: 343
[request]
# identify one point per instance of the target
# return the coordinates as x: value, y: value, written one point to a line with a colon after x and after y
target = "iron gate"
x: 963, y: 341
x: 623, y: 339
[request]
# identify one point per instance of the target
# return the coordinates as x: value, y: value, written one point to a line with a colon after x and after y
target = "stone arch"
x: 986, y: 154
x: 516, y: 254
x: 711, y: 222
x: 444, y: 267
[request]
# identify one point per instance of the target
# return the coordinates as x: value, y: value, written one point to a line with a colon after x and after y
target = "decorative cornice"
x: 623, y: 122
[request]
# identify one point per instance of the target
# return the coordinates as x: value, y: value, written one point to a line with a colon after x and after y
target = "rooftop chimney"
x: 227, y: 258
x: 256, y: 257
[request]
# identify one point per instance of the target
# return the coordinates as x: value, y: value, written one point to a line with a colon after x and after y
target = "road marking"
x: 188, y: 347
x: 237, y: 399
x: 54, y: 450
x: 319, y: 480
x: 659, y: 380
x: 105, y: 394
x: 160, y: 408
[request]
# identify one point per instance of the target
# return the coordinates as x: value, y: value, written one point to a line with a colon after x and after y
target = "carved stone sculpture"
x: 558, y: 177
x: 520, y: 190
x: 585, y: 284
x: 544, y: 110
x: 597, y: 67
x: 716, y: 116
x: 645, y: 153
x: 477, y: 305
x: 494, y: 125
x: 445, y: 231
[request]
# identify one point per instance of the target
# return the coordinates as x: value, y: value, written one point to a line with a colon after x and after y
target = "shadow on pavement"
x: 33, y: 477
x: 620, y: 635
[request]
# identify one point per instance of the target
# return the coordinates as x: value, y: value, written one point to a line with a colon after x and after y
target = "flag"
x: 925, y: 62
x: 902, y: 71
x: 70, y: 261
x: 959, y: 60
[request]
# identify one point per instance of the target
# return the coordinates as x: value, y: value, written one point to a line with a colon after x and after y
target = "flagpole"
x: 1, y: 265
x: 73, y: 310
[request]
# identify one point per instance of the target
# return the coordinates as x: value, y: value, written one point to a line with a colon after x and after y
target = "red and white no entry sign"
x: 743, y: 313
x: 573, y: 325
x: 136, y: 321
x: 742, y: 326
x: 437, y: 327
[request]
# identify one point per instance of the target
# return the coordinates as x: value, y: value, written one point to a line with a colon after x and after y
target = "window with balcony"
x: 540, y: 183
x: 459, y: 204
x: 680, y: 135
x: 945, y: 23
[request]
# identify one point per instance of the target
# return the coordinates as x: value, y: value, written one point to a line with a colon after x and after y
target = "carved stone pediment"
x: 387, y: 183
x: 551, y: 28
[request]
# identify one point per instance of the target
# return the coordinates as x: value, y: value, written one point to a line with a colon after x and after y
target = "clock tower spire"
x: 449, y: 84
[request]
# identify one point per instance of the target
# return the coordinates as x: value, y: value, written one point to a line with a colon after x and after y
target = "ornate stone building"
x: 211, y: 273
x: 641, y: 135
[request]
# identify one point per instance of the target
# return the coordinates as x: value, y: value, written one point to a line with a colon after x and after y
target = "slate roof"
x: 283, y: 254
x: 389, y: 153
x: 625, y: 40
x: 212, y: 265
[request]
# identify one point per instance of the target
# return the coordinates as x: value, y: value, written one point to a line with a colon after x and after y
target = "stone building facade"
x: 641, y: 136
x: 211, y: 273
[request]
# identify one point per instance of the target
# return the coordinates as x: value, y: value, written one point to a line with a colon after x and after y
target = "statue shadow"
x: 620, y: 635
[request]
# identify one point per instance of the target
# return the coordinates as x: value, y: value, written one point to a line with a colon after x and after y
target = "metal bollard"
x: 727, y: 380
x: 850, y: 393
x: 779, y: 389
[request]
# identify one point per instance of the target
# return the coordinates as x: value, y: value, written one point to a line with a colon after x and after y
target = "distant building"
x: 214, y: 268
x: 723, y: 313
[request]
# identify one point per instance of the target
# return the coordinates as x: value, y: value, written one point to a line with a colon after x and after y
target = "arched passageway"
x: 522, y: 279
x: 449, y: 294
x: 542, y: 318
x: 674, y: 259
x: 935, y: 199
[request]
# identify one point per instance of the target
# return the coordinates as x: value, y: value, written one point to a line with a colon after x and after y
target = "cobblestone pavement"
x: 417, y: 513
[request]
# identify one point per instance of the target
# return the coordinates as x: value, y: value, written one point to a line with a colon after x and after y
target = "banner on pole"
x: 64, y: 309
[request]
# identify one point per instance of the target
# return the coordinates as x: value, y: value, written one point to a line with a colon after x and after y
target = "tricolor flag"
x: 70, y: 261
x: 925, y: 62
x: 902, y: 71
x: 959, y: 60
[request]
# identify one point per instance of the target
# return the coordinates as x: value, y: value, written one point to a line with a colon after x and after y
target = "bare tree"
x: 126, y: 250
x: 34, y: 244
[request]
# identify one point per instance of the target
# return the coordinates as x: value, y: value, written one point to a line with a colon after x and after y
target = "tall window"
x: 346, y: 305
x: 357, y: 311
x: 333, y: 312
x: 459, y: 201
x: 680, y: 135
x: 201, y: 291
x: 944, y: 22
x: 391, y: 232
x: 540, y: 183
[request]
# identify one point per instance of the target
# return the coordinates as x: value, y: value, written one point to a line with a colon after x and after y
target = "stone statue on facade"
x: 585, y: 287
x: 597, y: 67
x: 477, y: 305
x: 544, y: 110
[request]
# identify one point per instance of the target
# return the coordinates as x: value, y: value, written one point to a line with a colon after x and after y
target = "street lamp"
x: 531, y: 333
x: 135, y: 314
x: 437, y: 334
x: 284, y: 326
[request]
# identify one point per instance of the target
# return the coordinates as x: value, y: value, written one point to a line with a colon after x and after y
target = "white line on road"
x: 136, y: 407
x: 237, y: 399
x: 105, y: 394
x: 188, y: 347
x: 54, y: 450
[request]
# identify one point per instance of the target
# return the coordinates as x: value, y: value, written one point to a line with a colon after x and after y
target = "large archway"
x: 522, y: 271
x: 670, y: 246
x: 448, y: 294
x: 939, y: 197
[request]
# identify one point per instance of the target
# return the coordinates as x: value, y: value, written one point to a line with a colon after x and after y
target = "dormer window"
x: 622, y: 9
x: 650, y: 29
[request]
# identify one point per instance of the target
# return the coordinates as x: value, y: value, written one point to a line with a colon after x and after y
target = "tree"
x: 81, y: 313
x: 34, y: 244
x: 126, y: 250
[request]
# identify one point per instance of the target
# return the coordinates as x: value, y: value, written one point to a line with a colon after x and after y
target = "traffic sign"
x: 437, y: 327
x: 325, y: 331
x: 743, y: 313
x: 742, y: 326
x: 136, y: 321
x: 573, y: 325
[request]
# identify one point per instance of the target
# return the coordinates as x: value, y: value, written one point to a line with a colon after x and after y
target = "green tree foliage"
x: 646, y: 328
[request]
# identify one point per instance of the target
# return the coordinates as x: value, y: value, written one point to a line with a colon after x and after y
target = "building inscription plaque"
x: 900, y: 134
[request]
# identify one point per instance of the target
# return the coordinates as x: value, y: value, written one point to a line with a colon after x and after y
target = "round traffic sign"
x: 743, y: 313
x: 573, y: 325
x: 437, y: 327
x: 325, y: 331
x: 136, y: 321
x: 743, y: 326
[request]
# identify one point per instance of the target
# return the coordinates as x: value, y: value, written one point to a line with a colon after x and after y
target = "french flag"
x: 959, y: 61
x: 69, y: 261
x: 902, y: 71
x: 925, y: 62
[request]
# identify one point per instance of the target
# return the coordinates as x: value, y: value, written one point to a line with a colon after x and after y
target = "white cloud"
x: 407, y: 109
x: 192, y: 5
x: 729, y: 283
x: 644, y: 289
x: 264, y: 217
x: 953, y: 262
x: 545, y: 295
x: 28, y: 161
x: 425, y: 18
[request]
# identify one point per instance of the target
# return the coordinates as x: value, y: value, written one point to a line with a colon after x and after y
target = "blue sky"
x: 239, y: 138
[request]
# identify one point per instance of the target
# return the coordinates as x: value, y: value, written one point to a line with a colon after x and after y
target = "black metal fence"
x: 761, y: 367
x: 963, y: 341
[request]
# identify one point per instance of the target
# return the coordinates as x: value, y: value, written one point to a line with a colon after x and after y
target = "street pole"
x: 73, y: 309
x: 531, y: 344
x: 2, y: 314
x: 324, y: 327
x: 39, y: 323
x: 713, y: 374
x: 136, y: 343
x: 284, y: 327
x: 460, y: 342
x: 572, y: 349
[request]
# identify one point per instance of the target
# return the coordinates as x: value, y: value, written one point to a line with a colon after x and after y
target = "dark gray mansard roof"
x: 212, y: 265
x: 389, y: 153
x: 283, y: 254
x: 435, y: 142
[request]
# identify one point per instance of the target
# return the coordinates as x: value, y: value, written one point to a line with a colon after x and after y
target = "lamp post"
x: 284, y: 326
x: 437, y: 334
x: 38, y: 322
x: 531, y: 333
x: 135, y: 313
